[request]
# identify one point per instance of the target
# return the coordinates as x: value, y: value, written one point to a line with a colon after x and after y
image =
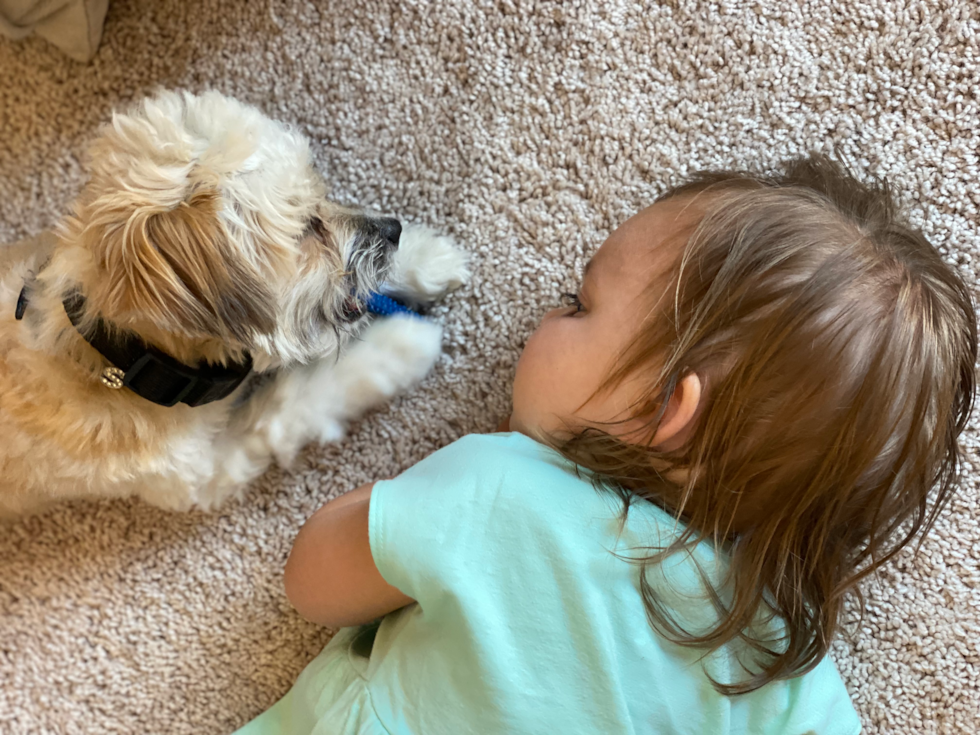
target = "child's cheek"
x: 542, y: 351
x: 535, y: 370
x: 527, y: 364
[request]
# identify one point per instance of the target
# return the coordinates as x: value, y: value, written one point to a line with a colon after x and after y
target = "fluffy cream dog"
x: 203, y: 266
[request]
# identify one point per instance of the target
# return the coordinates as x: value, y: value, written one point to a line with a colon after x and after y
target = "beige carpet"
x: 528, y: 133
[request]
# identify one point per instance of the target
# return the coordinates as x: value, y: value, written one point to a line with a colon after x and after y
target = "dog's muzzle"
x: 367, y: 265
x: 387, y: 230
x: 353, y: 309
x: 377, y: 239
x: 373, y: 241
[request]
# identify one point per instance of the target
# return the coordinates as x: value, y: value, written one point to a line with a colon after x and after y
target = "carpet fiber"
x: 529, y: 131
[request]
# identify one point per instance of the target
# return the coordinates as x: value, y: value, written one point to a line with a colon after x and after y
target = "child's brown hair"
x: 837, y: 351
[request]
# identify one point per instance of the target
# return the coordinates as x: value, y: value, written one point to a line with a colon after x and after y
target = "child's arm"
x: 330, y: 576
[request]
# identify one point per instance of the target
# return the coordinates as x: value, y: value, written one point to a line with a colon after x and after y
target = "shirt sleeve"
x: 429, y: 525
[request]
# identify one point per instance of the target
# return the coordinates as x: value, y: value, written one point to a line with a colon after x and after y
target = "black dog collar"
x: 147, y: 371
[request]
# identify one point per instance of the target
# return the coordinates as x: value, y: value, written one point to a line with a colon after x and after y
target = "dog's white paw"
x: 393, y: 355
x: 427, y: 265
x: 404, y: 348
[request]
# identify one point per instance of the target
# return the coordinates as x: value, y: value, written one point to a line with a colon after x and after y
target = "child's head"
x: 576, y: 349
x: 782, y: 362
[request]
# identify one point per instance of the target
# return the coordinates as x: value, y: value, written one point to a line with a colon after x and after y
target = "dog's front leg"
x: 316, y: 402
x: 391, y: 356
x: 426, y: 266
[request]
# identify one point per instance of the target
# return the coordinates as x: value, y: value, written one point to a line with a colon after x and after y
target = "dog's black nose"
x: 389, y: 229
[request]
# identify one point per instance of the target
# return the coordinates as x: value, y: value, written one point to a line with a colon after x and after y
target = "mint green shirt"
x: 528, y: 621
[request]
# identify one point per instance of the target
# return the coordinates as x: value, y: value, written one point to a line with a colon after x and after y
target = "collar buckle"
x: 144, y: 375
x: 151, y: 373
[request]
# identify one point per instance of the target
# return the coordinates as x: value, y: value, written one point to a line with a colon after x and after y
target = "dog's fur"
x: 205, y: 230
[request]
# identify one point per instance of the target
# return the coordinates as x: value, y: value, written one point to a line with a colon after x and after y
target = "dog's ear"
x: 176, y: 267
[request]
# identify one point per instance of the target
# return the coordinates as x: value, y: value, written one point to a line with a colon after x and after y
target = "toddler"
x: 752, y: 403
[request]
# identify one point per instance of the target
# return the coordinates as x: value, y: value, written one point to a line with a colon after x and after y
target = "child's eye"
x: 572, y: 299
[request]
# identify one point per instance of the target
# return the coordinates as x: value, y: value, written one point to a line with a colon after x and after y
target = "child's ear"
x: 678, y: 419
x: 176, y: 268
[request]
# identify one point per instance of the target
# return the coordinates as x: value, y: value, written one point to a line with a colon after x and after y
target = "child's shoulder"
x: 515, y: 461
x: 501, y: 441
x: 501, y: 452
x: 511, y: 467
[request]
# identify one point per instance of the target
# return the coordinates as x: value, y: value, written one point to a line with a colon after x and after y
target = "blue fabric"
x: 386, y: 306
x: 529, y: 619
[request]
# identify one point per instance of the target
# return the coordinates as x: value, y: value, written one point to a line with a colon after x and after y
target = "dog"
x: 201, y: 313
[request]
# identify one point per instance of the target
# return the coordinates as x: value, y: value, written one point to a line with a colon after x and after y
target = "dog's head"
x: 205, y: 229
